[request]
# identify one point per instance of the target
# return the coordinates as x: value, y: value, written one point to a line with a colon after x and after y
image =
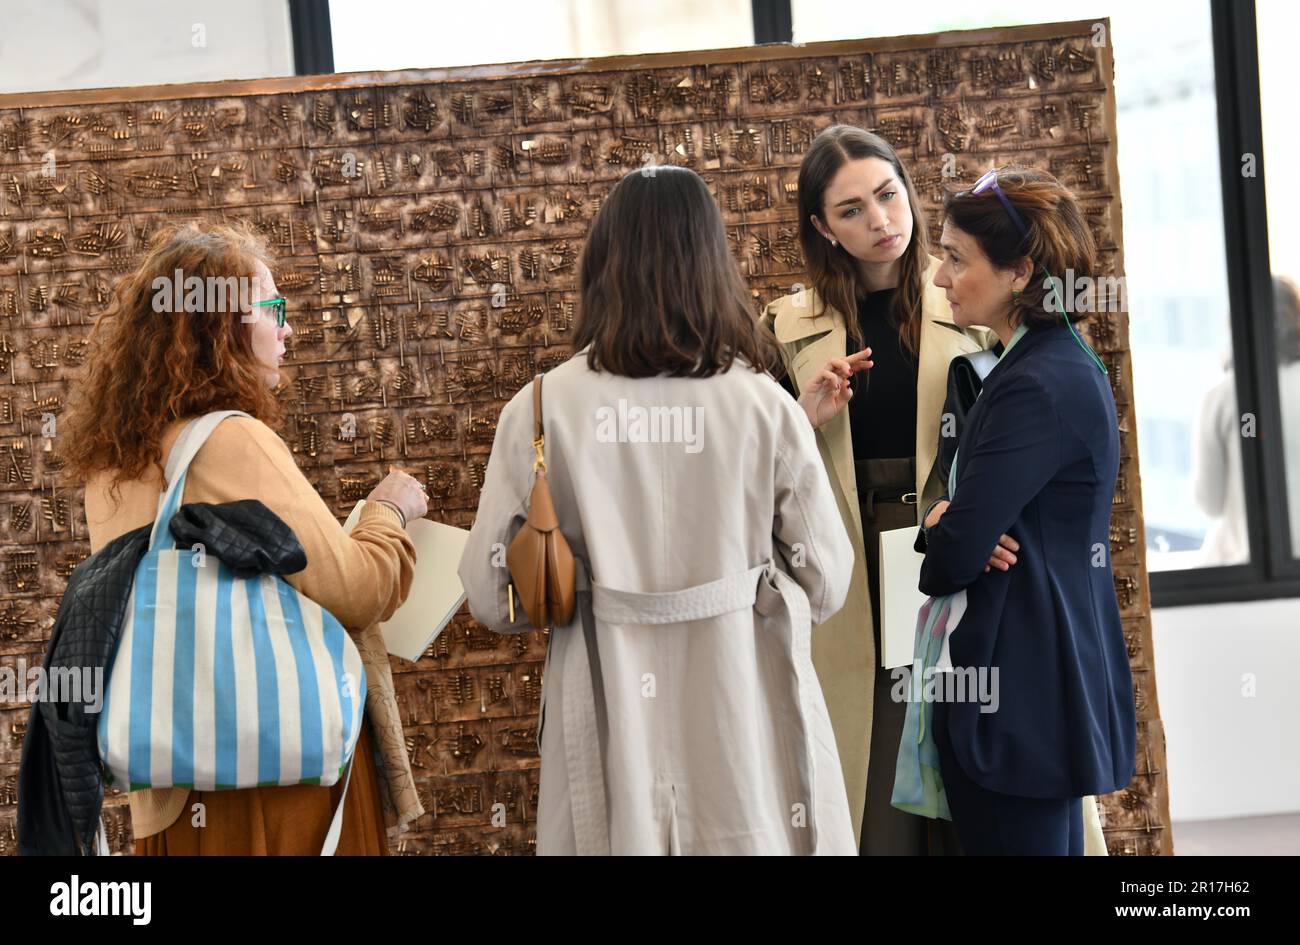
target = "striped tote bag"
x: 221, y: 682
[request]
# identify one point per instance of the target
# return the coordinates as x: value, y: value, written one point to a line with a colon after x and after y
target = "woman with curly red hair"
x: 150, y: 372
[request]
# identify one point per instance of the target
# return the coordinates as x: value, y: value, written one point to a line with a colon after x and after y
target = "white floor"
x: 1275, y: 835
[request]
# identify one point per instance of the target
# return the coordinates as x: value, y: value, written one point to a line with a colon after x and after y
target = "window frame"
x: 313, y: 39
x: 1273, y: 572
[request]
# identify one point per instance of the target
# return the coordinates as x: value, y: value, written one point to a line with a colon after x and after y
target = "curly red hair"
x: 147, y: 368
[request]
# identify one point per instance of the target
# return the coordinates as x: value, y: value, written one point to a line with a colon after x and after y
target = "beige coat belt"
x: 775, y: 597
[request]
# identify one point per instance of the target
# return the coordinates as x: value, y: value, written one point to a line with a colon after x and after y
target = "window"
x: 1254, y: 104
x: 411, y: 35
x: 1276, y: 22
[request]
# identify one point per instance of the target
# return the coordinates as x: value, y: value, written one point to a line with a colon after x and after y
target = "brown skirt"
x: 281, y: 821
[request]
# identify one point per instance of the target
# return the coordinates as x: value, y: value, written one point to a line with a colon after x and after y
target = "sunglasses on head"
x: 989, y: 181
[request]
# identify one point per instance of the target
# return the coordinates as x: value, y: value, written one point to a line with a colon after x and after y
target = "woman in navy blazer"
x: 1036, y: 467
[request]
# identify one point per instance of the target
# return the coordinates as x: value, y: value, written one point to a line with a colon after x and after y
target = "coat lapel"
x: 942, y: 339
x: 817, y: 338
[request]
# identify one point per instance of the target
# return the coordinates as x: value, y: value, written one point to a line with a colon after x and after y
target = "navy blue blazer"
x: 1037, y: 459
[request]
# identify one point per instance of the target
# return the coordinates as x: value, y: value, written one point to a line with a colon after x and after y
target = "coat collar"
x: 1032, y: 339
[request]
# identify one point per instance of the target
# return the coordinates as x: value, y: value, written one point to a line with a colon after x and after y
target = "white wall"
x: 1230, y: 753
x: 84, y: 44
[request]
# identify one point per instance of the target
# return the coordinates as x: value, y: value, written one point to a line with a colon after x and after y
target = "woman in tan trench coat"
x: 680, y: 708
x: 864, y: 237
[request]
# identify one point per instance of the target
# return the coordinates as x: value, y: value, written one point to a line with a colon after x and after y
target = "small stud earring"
x: 1015, y: 294
x: 833, y: 242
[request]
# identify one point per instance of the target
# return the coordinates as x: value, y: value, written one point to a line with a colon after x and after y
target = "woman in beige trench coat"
x: 680, y: 711
x: 812, y: 334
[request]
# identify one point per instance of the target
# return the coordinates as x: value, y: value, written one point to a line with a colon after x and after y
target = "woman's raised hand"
x: 827, y: 393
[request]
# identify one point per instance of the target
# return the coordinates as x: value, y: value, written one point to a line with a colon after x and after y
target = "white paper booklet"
x: 436, y: 591
x: 900, y: 599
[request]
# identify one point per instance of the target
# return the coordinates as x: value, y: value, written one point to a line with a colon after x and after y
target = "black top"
x: 882, y: 413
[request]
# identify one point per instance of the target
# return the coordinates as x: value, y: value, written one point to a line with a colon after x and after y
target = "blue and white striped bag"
x: 221, y: 682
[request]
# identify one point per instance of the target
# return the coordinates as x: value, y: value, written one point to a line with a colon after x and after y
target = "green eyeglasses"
x: 280, y: 304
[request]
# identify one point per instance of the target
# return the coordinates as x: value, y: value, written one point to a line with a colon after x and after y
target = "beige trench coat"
x: 844, y: 651
x: 680, y: 711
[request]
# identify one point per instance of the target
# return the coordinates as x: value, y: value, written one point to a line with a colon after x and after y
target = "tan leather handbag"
x: 539, y: 559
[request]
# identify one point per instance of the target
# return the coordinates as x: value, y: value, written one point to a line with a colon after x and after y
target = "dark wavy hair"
x: 660, y: 291
x: 1058, y: 237
x: 146, y: 369
x: 833, y: 272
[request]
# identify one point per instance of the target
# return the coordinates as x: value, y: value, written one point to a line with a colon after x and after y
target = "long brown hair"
x: 834, y: 273
x: 660, y: 290
x: 1058, y: 237
x: 147, y: 368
